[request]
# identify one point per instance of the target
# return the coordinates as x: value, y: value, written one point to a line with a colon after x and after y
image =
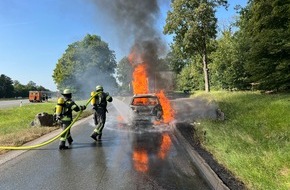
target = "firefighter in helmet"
x: 63, y: 114
x: 99, y: 103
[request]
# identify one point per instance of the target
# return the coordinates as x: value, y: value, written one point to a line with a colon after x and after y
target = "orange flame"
x: 165, y: 146
x: 140, y: 158
x: 134, y: 56
x: 140, y: 80
x: 140, y: 84
x: 168, y: 112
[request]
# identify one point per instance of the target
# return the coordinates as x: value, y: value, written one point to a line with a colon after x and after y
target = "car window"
x: 153, y: 101
x: 138, y: 101
x: 144, y: 101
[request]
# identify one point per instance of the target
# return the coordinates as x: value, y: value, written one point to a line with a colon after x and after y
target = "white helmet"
x: 99, y: 88
x: 66, y: 92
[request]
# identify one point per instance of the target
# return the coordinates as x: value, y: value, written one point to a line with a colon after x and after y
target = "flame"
x: 140, y: 80
x: 140, y: 84
x: 140, y: 158
x: 168, y: 112
x: 135, y: 56
x: 165, y: 146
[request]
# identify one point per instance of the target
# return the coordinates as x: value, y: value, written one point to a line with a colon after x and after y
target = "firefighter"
x: 63, y: 114
x: 99, y: 103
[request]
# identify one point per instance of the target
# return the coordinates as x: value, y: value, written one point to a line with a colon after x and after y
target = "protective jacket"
x: 100, y: 100
x: 64, y: 111
x: 99, y: 103
x: 69, y: 106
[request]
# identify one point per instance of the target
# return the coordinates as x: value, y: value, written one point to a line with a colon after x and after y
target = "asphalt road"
x: 13, y: 103
x: 125, y: 159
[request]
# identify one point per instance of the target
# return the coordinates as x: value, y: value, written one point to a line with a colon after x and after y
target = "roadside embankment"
x: 253, y: 140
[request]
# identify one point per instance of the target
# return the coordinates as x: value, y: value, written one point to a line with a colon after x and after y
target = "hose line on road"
x: 49, y: 141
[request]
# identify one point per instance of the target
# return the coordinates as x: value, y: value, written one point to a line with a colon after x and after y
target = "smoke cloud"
x: 191, y: 110
x: 133, y: 20
x: 135, y: 24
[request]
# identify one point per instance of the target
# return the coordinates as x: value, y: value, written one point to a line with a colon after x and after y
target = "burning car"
x: 145, y: 108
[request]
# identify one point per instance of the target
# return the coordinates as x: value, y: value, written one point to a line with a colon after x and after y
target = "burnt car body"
x: 145, y: 108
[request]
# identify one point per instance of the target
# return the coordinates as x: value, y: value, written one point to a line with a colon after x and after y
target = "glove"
x: 56, y: 118
x: 83, y: 107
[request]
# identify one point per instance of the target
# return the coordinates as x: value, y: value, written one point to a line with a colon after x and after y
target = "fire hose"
x: 48, y: 141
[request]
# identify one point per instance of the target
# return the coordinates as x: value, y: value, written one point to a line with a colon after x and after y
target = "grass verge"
x: 15, y: 128
x: 253, y: 140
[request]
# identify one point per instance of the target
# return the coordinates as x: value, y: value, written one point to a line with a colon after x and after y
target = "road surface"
x: 13, y: 103
x: 125, y: 159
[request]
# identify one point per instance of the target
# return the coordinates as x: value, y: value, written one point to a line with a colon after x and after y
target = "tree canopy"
x: 11, y: 89
x: 84, y: 65
x: 124, y: 74
x: 265, y: 36
x: 227, y: 70
x: 6, y: 86
x: 193, y: 24
x: 256, y: 53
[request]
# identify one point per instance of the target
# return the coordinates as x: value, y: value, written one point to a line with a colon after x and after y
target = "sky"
x: 34, y: 34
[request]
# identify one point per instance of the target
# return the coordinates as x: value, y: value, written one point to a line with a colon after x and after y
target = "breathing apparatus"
x: 59, y: 106
x: 99, y: 90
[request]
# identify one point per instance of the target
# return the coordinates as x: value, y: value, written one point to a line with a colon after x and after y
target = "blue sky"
x: 35, y: 33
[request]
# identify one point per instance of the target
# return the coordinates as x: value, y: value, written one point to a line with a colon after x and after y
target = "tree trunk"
x: 205, y: 70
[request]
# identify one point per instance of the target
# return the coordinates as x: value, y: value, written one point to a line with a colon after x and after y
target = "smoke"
x: 133, y: 20
x: 91, y: 78
x: 190, y: 110
x: 91, y: 68
x: 135, y: 24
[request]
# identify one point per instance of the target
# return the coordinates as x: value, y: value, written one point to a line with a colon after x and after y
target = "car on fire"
x: 145, y: 108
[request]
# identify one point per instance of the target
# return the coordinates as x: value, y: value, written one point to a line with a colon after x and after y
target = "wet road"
x: 124, y: 159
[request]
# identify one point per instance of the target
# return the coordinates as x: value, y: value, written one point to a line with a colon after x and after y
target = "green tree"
x: 265, y: 38
x: 23, y: 90
x: 175, y: 61
x: 84, y: 65
x: 41, y: 88
x: 124, y: 74
x: 190, y: 77
x: 227, y: 68
x: 194, y: 24
x: 20, y: 89
x: 31, y: 86
x: 6, y: 87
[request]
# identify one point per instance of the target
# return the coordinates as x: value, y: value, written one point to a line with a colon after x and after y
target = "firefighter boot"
x: 70, y: 140
x: 94, y: 135
x: 99, y: 137
x: 62, y: 145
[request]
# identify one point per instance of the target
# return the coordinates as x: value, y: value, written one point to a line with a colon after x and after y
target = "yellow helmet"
x: 99, y: 88
x: 66, y: 92
x: 60, y: 101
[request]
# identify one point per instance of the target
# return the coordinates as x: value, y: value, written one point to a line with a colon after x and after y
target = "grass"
x: 15, y: 128
x: 253, y: 140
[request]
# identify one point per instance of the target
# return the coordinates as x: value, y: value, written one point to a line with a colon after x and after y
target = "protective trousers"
x: 100, y: 120
x: 67, y: 135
